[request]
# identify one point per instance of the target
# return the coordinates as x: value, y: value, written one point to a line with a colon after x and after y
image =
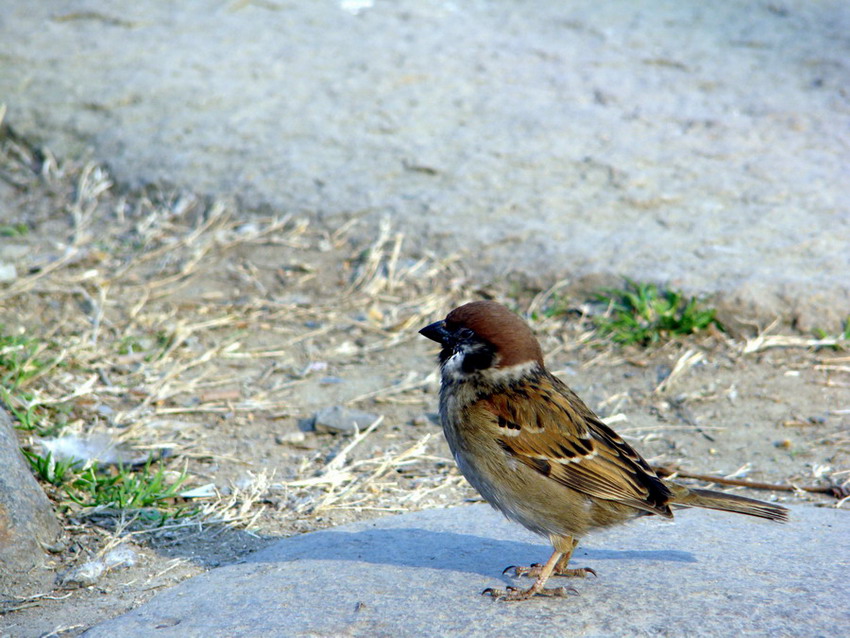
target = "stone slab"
x: 421, y: 574
x: 702, y: 145
x: 28, y: 524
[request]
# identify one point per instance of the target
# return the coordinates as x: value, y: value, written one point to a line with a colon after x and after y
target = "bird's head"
x: 484, y: 337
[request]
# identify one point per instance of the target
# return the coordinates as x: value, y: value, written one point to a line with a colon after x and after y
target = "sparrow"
x: 537, y: 453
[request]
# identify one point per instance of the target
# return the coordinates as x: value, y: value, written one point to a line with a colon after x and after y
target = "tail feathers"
x: 694, y: 497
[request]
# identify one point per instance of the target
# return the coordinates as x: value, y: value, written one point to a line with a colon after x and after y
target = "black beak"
x: 436, y: 332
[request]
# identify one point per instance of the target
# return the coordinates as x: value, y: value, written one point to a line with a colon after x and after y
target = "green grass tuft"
x: 843, y: 335
x: 56, y: 473
x: 21, y: 360
x: 13, y: 230
x: 120, y: 487
x: 124, y: 487
x: 643, y: 314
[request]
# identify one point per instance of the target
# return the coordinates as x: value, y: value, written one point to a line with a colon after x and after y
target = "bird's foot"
x: 514, y: 593
x: 533, y: 571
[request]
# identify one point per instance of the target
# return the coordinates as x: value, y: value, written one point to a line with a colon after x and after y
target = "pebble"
x: 339, y: 419
x: 288, y: 438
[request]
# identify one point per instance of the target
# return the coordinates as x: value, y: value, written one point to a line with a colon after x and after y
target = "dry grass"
x: 154, y: 319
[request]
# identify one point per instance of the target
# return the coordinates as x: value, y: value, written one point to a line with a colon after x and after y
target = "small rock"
x: 428, y: 417
x: 56, y: 548
x: 339, y: 419
x: 104, y: 410
x: 289, y: 438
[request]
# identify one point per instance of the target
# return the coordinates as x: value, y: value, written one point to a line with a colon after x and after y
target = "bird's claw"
x: 531, y: 570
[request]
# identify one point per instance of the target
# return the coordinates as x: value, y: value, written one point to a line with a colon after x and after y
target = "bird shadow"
x: 416, y: 547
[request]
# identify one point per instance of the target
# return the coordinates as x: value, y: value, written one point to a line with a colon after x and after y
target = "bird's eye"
x: 464, y: 334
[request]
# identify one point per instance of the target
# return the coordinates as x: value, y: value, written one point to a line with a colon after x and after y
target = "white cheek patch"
x: 510, y: 373
x: 453, y: 367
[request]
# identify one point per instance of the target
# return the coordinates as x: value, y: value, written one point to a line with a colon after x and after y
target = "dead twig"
x: 765, y: 342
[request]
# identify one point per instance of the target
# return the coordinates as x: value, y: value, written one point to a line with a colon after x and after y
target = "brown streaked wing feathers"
x: 554, y: 427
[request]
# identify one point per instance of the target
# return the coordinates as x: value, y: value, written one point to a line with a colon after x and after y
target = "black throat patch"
x: 477, y: 353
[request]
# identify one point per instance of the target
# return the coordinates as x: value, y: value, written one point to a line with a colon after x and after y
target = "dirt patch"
x: 209, y: 336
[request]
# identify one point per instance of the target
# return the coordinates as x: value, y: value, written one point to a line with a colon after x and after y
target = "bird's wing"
x: 544, y: 425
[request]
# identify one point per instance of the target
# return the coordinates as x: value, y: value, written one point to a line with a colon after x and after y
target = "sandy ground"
x: 256, y: 320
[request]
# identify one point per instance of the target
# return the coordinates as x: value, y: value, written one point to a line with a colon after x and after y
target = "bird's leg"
x: 566, y: 545
x: 512, y: 593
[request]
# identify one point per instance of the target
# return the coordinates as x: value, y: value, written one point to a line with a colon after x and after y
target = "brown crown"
x: 510, y: 335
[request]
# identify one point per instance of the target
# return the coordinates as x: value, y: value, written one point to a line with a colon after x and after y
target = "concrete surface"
x: 421, y: 574
x: 699, y: 145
